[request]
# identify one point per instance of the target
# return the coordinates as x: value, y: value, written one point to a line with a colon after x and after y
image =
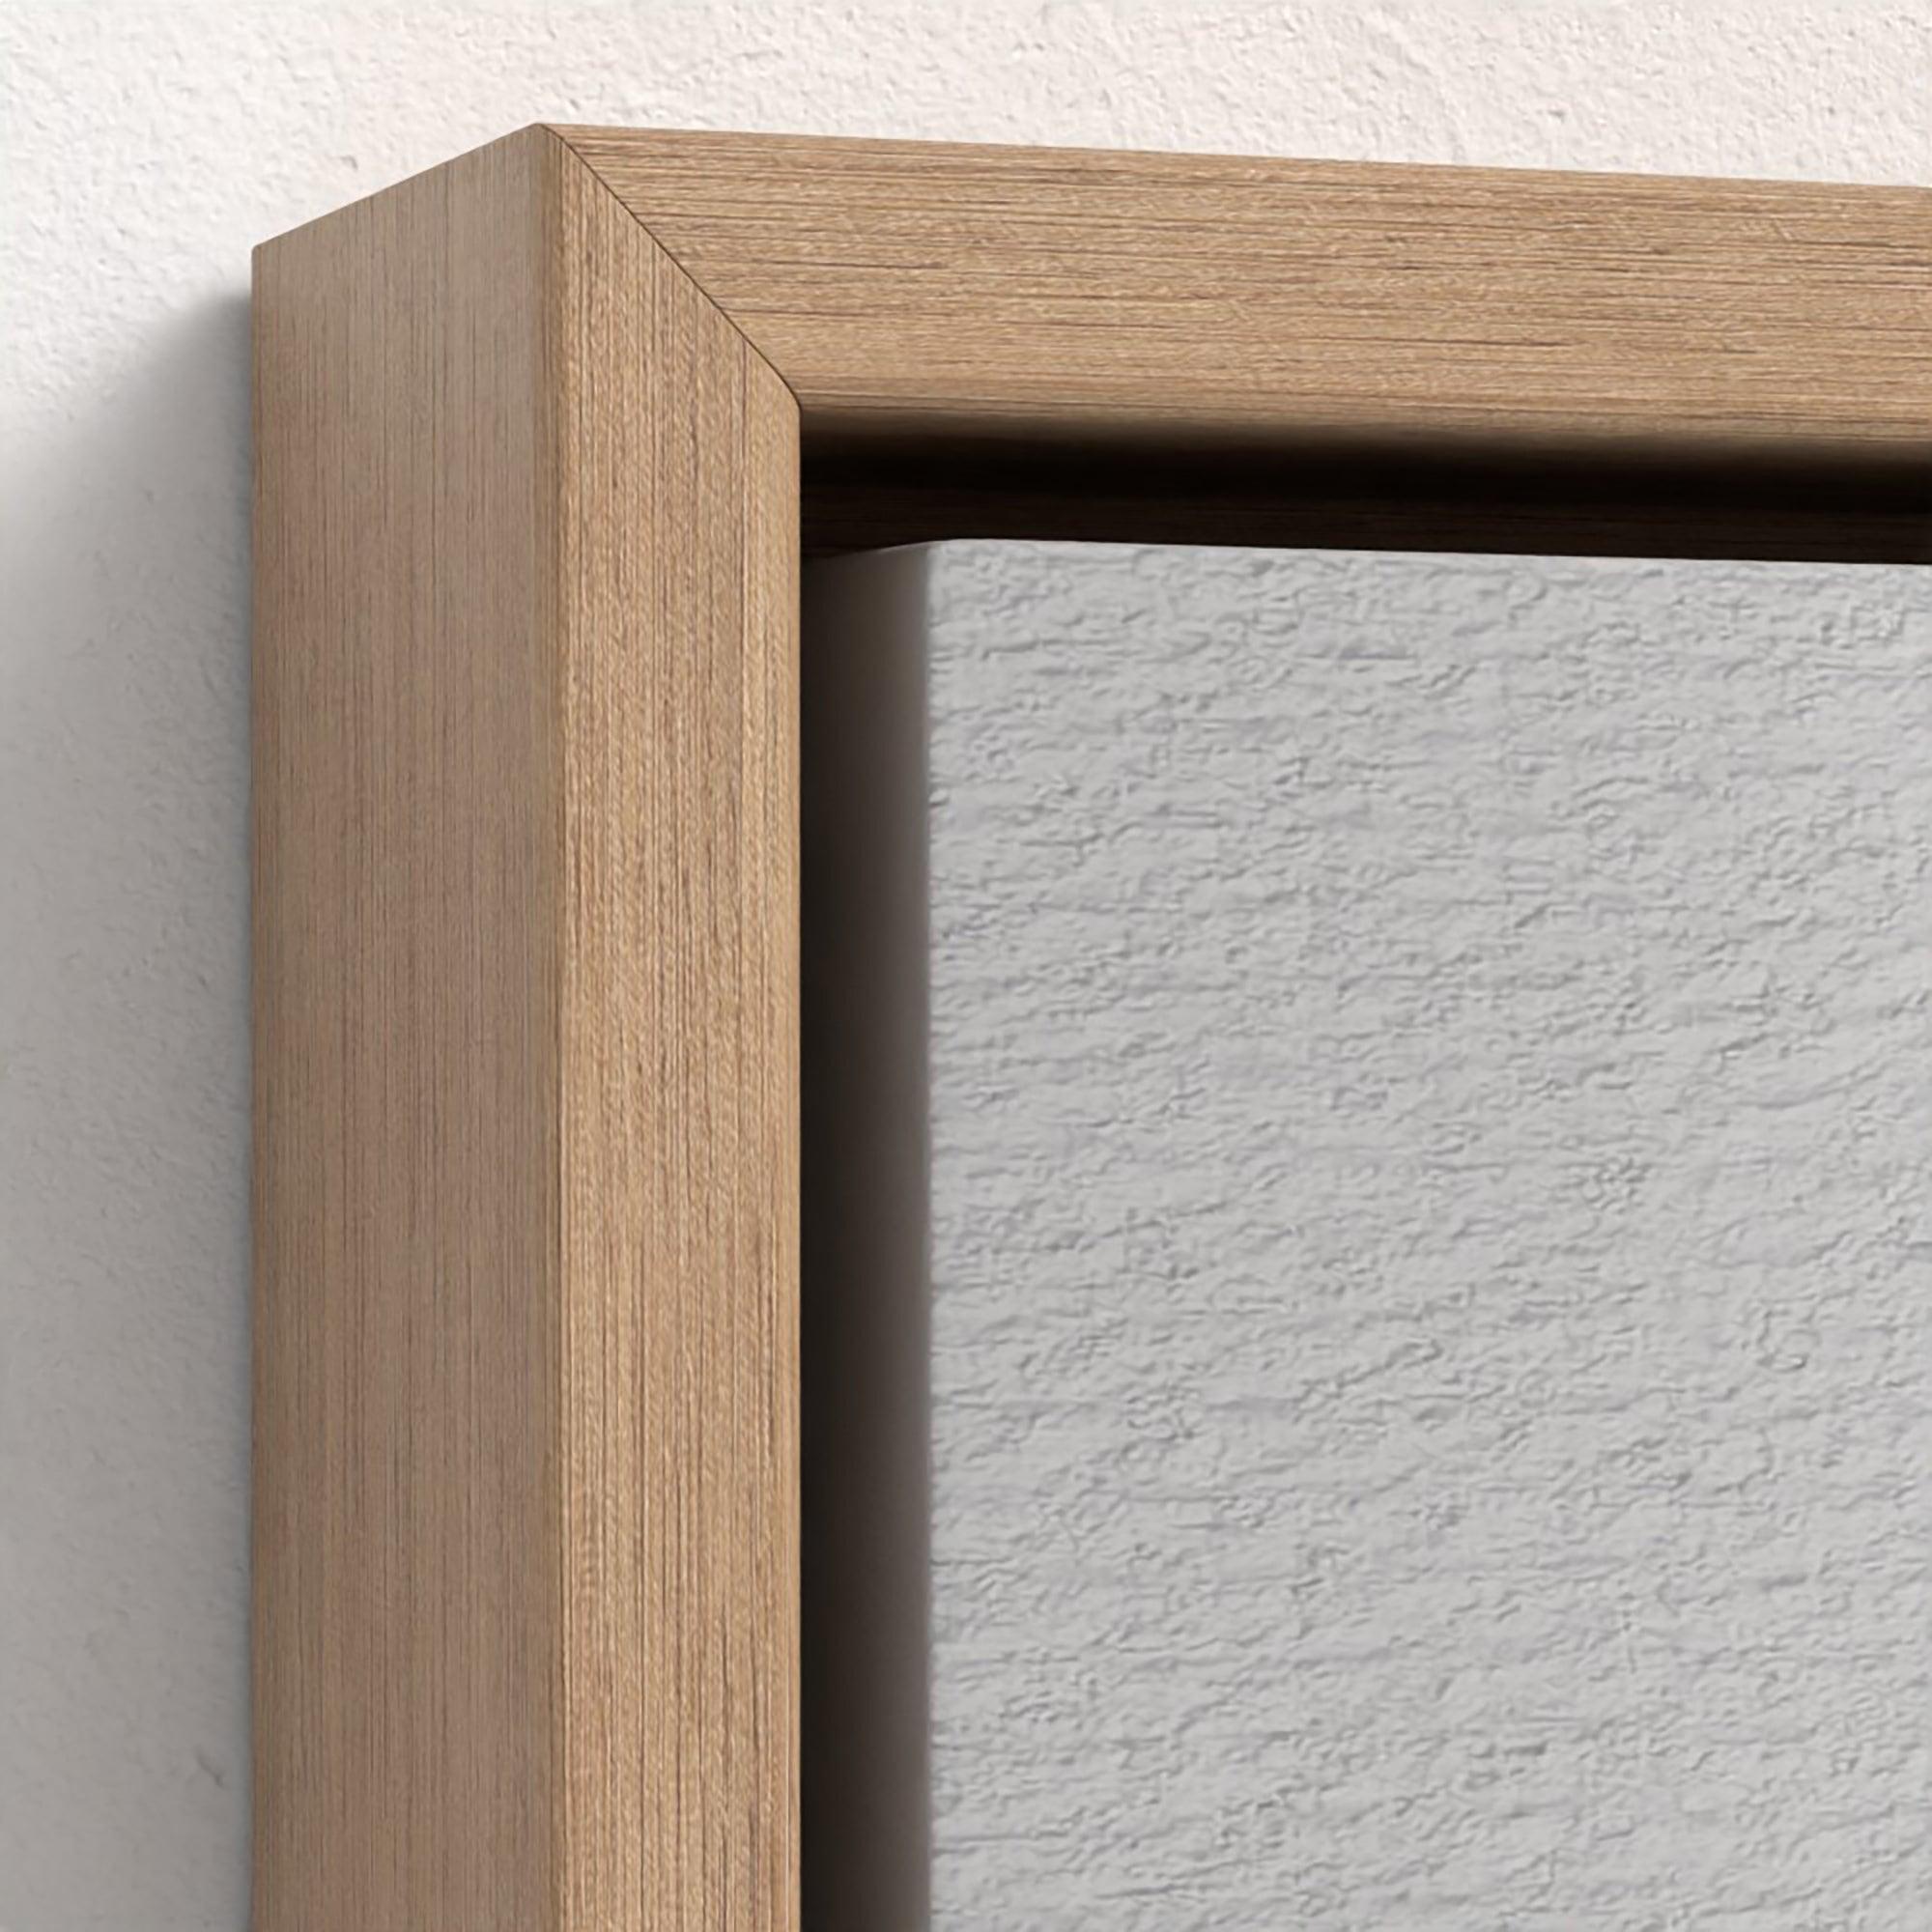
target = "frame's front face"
x: 541, y: 438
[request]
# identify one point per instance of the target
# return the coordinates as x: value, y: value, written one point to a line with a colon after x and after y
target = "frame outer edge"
x: 525, y: 1205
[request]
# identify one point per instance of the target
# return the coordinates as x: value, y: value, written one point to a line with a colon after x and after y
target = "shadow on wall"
x: 123, y: 1139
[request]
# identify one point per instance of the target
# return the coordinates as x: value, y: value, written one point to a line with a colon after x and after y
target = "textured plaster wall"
x: 143, y: 149
x: 1432, y: 1328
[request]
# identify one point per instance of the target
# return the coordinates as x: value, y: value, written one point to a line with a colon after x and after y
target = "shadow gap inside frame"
x: 866, y: 1530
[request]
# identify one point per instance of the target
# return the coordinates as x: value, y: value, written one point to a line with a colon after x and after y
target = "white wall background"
x: 143, y: 150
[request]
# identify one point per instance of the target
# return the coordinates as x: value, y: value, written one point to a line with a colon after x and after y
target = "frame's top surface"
x: 1007, y: 290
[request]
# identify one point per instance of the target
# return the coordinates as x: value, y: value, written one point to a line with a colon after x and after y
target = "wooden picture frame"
x: 542, y: 436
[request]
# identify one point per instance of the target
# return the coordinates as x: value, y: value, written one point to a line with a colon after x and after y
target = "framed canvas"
x: 542, y: 436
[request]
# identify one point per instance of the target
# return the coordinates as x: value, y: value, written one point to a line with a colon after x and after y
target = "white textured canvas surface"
x: 1432, y: 1083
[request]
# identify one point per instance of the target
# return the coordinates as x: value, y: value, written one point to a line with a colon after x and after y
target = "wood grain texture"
x: 1405, y: 356
x: 677, y: 607
x: 526, y: 935
x: 1061, y: 289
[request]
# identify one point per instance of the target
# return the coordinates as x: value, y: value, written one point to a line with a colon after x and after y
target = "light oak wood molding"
x: 1017, y: 340
x: 525, y: 1074
x: 540, y: 437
